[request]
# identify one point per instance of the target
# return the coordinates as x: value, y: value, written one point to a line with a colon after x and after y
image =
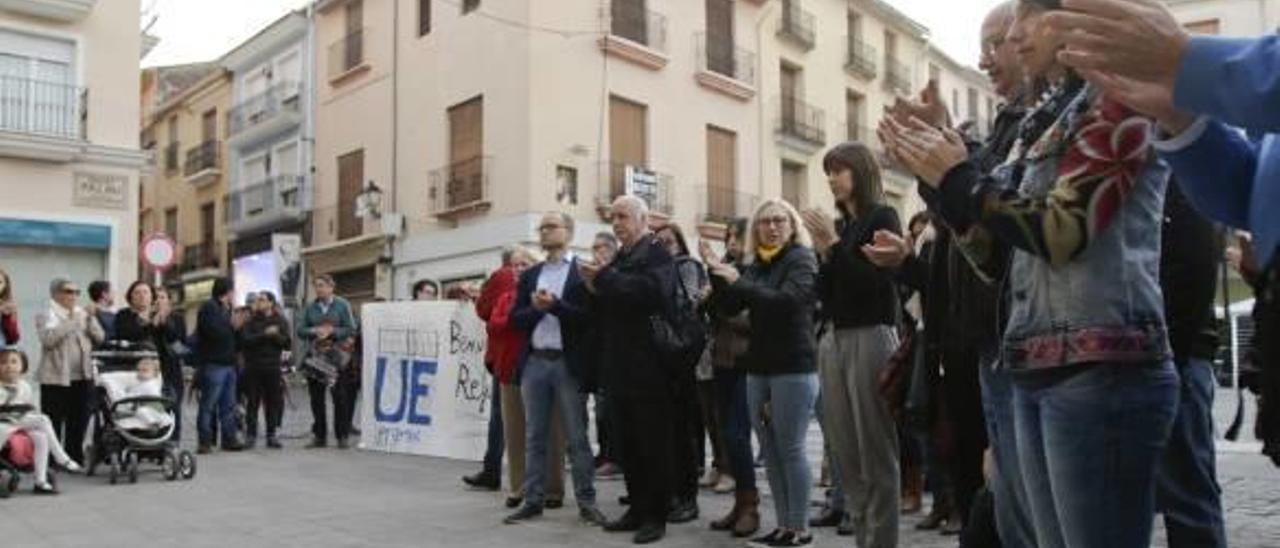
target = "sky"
x: 200, y: 30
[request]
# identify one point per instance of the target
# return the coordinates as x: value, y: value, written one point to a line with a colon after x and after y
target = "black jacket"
x: 781, y: 297
x: 1189, y: 261
x: 215, y: 337
x: 854, y: 292
x: 632, y: 288
x: 570, y: 309
x: 128, y: 327
x: 261, y: 349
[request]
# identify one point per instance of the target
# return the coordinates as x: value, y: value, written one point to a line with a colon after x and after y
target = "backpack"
x: 679, y: 333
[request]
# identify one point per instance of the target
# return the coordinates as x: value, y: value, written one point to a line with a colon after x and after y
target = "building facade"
x: 184, y: 111
x: 69, y: 155
x: 1243, y: 18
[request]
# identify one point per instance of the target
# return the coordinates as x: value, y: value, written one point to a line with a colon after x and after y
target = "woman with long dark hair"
x: 860, y: 300
x: 779, y: 287
x: 263, y: 340
x: 1094, y: 390
x: 149, y: 319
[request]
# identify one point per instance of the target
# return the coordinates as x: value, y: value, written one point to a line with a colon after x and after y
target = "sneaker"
x: 726, y: 485
x: 710, y: 479
x: 592, y: 516
x: 792, y: 538
x: 525, y: 513
x: 72, y: 467
x: 44, y: 489
x: 766, y: 540
x: 608, y: 470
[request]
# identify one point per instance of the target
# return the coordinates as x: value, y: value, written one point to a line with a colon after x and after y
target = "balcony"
x: 897, y: 77
x: 203, y: 165
x: 268, y: 113
x: 725, y: 68
x: 346, y: 57
x: 277, y: 201
x: 800, y: 126
x: 721, y: 206
x: 618, y: 179
x: 862, y: 59
x: 636, y: 35
x: 460, y: 189
x: 797, y: 25
x: 65, y: 11
x: 40, y: 120
x: 171, y: 163
x: 201, y: 260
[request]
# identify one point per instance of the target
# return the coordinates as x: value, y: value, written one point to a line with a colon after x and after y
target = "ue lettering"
x: 413, y: 388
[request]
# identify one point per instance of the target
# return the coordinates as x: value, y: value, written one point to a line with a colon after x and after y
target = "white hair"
x: 633, y: 204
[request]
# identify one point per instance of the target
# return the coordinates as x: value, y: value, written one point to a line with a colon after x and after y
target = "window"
x: 466, y: 153
x: 469, y: 6
x: 955, y: 103
x: 566, y: 185
x: 207, y: 212
x: 720, y: 36
x: 209, y: 125
x: 1210, y: 26
x: 973, y: 105
x: 935, y: 74
x: 171, y: 151
x: 424, y: 17
x: 171, y: 222
x: 854, y: 116
x: 793, y: 184
x: 630, y: 20
x: 628, y: 141
x: 350, y: 183
x: 854, y: 20
x: 722, y: 174
x: 37, y: 85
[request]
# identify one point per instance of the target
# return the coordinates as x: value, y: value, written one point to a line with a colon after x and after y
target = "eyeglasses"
x: 549, y: 226
x: 70, y: 291
x: 778, y: 221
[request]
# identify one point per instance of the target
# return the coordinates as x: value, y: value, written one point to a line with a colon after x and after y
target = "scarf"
x: 767, y: 254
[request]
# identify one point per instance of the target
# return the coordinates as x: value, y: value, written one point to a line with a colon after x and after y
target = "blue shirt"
x: 1229, y: 177
x: 546, y: 336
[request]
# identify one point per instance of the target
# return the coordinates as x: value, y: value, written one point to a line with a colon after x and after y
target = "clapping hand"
x: 726, y: 272
x: 708, y: 254
x: 543, y: 300
x: 925, y: 151
x: 929, y: 108
x: 887, y: 250
x: 822, y: 227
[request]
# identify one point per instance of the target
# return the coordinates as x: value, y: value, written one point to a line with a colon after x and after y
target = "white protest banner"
x: 426, y: 390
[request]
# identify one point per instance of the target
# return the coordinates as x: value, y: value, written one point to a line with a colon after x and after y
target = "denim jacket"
x: 1085, y: 223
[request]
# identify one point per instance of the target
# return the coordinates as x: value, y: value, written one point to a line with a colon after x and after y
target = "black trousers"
x: 687, y: 449
x: 646, y: 425
x: 1267, y: 352
x: 68, y: 408
x: 344, y: 407
x: 264, y: 387
x: 968, y: 429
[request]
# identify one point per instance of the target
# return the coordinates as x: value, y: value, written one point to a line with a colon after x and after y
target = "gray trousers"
x: 863, y: 436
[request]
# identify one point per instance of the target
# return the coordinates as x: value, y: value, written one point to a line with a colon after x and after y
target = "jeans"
x: 218, y: 389
x: 735, y: 425
x: 547, y: 384
x: 1013, y: 520
x: 494, y: 447
x: 1089, y: 441
x: 782, y: 439
x: 1187, y: 490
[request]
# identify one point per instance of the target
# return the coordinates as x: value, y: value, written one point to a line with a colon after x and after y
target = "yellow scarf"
x: 767, y: 253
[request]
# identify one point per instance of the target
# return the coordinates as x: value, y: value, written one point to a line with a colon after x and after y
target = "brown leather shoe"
x: 748, y: 521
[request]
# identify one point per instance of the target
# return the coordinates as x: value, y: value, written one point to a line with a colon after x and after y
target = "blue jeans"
x: 1187, y: 490
x: 218, y: 388
x: 1089, y: 440
x: 735, y: 423
x: 1012, y: 519
x: 494, y: 447
x: 546, y: 383
x: 782, y: 439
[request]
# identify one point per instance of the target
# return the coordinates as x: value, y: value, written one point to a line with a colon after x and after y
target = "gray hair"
x: 609, y: 239
x: 634, y: 204
x: 56, y: 285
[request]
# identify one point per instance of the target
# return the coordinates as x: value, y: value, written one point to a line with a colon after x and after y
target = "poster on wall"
x: 288, y: 256
x: 425, y: 388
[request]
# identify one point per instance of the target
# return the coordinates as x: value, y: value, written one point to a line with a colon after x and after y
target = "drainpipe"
x: 760, y: 102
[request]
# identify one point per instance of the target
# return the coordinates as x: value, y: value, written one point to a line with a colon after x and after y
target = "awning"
x: 345, y: 255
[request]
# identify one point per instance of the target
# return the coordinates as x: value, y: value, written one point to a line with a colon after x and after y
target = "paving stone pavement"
x: 333, y: 498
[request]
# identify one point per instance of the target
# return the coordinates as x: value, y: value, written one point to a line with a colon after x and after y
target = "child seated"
x: 16, y: 393
x: 145, y: 383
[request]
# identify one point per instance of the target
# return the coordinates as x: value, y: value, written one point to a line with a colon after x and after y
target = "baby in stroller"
x: 22, y: 427
x: 134, y: 421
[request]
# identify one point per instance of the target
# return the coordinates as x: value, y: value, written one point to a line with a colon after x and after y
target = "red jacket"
x: 9, y: 323
x: 489, y: 293
x: 505, y: 341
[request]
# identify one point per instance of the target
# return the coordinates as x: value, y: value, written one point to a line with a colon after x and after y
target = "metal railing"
x: 459, y: 185
x: 201, y: 157
x: 897, y: 76
x: 720, y: 56
x: 801, y: 120
x: 255, y: 110
x: 41, y: 108
x: 630, y: 20
x: 724, y: 205
x: 618, y: 179
x: 275, y: 193
x: 199, y: 256
x: 797, y: 24
x: 171, y: 151
x: 862, y: 58
x: 347, y: 53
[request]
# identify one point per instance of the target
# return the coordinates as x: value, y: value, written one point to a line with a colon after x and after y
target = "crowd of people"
x: 1035, y: 349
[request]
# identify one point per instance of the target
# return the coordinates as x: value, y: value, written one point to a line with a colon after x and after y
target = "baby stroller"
x: 128, y: 431
x: 16, y: 456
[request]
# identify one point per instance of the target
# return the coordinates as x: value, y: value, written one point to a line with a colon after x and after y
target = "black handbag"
x: 679, y: 334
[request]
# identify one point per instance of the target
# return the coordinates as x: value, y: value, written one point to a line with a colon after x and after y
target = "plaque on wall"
x: 101, y: 191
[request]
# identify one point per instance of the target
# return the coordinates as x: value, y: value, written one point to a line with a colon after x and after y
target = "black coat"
x: 570, y: 309
x: 129, y: 327
x: 215, y: 336
x: 635, y: 286
x: 782, y: 297
x: 856, y: 293
x: 259, y: 348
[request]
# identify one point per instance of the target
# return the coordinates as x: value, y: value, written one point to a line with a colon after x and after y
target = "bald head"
x: 630, y: 218
x: 999, y: 60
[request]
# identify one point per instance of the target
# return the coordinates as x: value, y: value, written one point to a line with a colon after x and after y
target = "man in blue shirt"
x: 1200, y: 88
x: 551, y: 308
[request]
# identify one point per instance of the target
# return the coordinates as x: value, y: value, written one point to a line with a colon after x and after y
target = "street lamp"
x: 369, y: 202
